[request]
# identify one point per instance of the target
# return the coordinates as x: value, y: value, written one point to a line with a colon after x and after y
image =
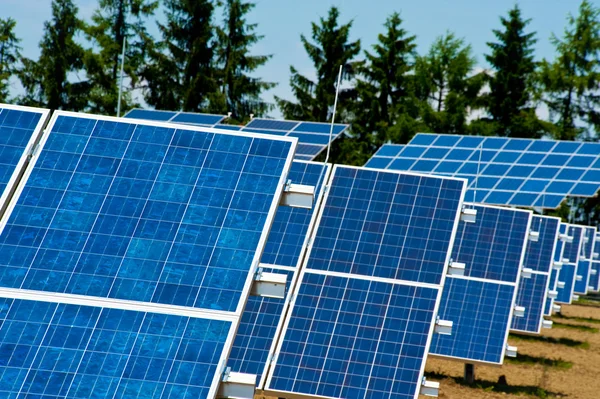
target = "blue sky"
x: 282, y: 22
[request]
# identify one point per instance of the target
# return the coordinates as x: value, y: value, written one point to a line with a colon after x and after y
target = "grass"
x: 491, y: 386
x: 574, y: 318
x: 544, y: 361
x: 556, y: 324
x: 551, y: 340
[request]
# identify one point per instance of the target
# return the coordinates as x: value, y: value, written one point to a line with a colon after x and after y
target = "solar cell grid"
x: 190, y: 205
x: 65, y: 350
x: 584, y: 263
x: 557, y: 167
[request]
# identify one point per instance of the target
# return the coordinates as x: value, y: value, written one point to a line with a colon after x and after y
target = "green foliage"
x: 538, y: 360
x: 331, y: 48
x: 47, y: 81
x: 512, y: 83
x: 180, y: 73
x: 241, y: 92
x: 571, y: 81
x: 10, y: 52
x: 446, y: 86
x: 386, y: 108
x: 112, y: 22
x: 551, y: 340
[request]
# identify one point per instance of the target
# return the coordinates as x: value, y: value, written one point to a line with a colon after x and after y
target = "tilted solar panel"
x: 20, y: 129
x: 557, y: 265
x: 139, y: 211
x: 570, y: 259
x: 511, y: 171
x: 58, y: 350
x: 532, y: 292
x: 480, y: 303
x: 284, y: 251
x: 355, y: 331
x: 585, y: 258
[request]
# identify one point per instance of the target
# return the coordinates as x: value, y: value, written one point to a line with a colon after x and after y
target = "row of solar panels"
x: 130, y: 251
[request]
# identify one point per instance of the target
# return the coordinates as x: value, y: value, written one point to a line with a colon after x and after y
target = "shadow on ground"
x: 500, y: 386
x: 551, y: 340
x: 544, y: 361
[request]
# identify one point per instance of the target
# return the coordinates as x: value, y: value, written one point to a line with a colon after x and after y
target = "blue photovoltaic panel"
x: 197, y: 119
x: 385, y: 224
x: 376, y: 325
x: 131, y: 210
x: 531, y: 294
x: 285, y: 245
x: 492, y: 247
x: 254, y: 338
x: 52, y: 350
x: 584, y: 264
x: 572, y: 249
x: 354, y: 338
x: 567, y: 276
x: 151, y: 115
x: 20, y: 127
x: 539, y: 254
x: 552, y: 286
x: 529, y: 172
x: 480, y: 312
x: 594, y: 284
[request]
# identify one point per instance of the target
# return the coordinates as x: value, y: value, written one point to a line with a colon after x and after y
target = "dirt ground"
x: 562, y: 363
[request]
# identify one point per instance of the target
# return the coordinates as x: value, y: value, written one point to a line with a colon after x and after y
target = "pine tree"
x: 385, y: 109
x: 571, y: 82
x: 512, y: 82
x: 181, y: 74
x: 113, y: 21
x: 47, y: 81
x: 240, y: 90
x: 446, y: 85
x: 10, y: 52
x: 331, y: 48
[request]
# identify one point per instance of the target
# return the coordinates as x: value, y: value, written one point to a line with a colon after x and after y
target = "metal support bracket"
x: 552, y: 294
x: 566, y: 238
x: 546, y: 323
x: 534, y: 236
x: 297, y: 195
x: 560, y: 284
x: 456, y: 268
x: 468, y: 215
x: 526, y: 272
x: 443, y: 327
x: 429, y: 388
x: 557, y: 265
x: 511, y: 351
x: 237, y: 385
x: 519, y: 311
x: 271, y: 285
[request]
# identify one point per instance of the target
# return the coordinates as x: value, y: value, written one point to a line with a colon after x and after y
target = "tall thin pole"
x: 121, y: 77
x: 337, y: 92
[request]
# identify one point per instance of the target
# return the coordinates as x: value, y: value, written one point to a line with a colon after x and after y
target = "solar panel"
x: 594, y: 277
x: 313, y: 137
x: 557, y: 256
x: 188, y: 118
x: 54, y: 350
x: 517, y: 172
x: 20, y: 128
x: 145, y: 212
x: 480, y: 303
x: 570, y: 258
x: 584, y: 264
x: 532, y: 292
x: 284, y: 251
x: 364, y: 310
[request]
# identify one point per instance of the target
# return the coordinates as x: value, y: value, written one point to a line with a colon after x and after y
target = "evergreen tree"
x: 512, y: 83
x: 241, y: 91
x: 47, y: 81
x: 571, y: 82
x: 386, y: 109
x: 331, y: 48
x: 445, y: 85
x: 10, y: 52
x: 113, y: 21
x: 180, y: 74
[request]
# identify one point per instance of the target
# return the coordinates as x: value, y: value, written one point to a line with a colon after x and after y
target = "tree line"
x: 200, y: 64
